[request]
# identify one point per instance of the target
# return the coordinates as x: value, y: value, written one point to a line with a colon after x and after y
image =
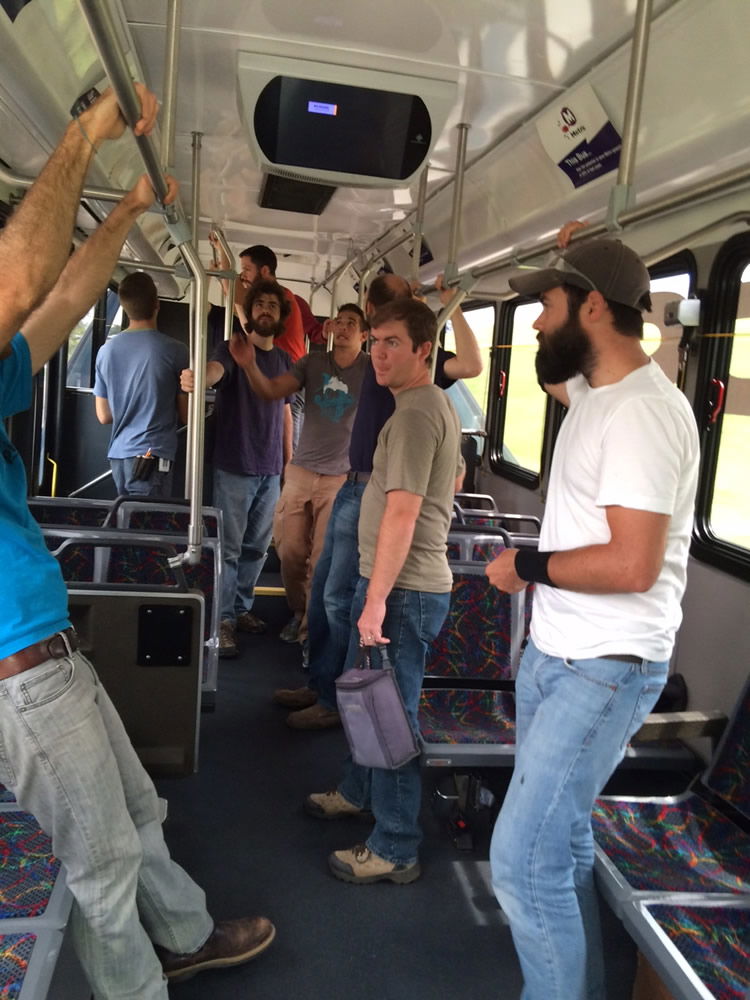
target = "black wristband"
x: 84, y: 102
x: 532, y: 566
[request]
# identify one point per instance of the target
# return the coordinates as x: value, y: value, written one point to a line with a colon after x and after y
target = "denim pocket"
x: 7, y: 774
x: 604, y: 673
x: 647, y: 698
x: 45, y: 686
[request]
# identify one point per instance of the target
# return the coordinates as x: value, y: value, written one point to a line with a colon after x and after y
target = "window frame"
x: 715, y: 353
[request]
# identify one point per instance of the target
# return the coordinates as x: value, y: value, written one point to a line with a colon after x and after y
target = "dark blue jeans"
x: 333, y: 584
x: 413, y: 619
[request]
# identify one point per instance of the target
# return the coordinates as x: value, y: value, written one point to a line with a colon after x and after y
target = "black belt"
x: 357, y: 477
x: 623, y: 657
x: 53, y: 648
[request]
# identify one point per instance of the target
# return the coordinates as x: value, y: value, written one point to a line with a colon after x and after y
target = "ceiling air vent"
x: 289, y: 194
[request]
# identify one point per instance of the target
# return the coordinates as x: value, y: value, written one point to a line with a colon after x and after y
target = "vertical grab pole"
x: 231, y: 283
x: 419, y: 225
x: 451, y: 267
x: 334, y: 299
x: 171, y: 61
x: 195, y: 331
x: 621, y: 195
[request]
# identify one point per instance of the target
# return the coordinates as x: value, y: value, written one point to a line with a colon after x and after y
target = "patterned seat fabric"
x: 170, y: 522
x: 673, y: 846
x: 15, y: 955
x: 29, y: 869
x: 729, y: 775
x: 471, y: 717
x: 714, y: 940
x: 475, y: 638
x: 70, y: 517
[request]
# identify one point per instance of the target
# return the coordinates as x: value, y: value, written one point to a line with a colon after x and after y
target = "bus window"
x: 729, y: 515
x: 469, y: 396
x: 659, y: 341
x: 106, y: 315
x: 519, y: 406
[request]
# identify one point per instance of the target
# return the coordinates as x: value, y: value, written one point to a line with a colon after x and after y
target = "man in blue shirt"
x: 63, y: 749
x: 137, y: 390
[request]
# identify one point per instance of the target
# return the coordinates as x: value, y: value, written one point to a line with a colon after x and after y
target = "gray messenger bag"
x: 373, y: 714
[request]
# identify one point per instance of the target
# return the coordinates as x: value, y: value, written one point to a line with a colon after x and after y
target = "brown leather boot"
x: 232, y: 942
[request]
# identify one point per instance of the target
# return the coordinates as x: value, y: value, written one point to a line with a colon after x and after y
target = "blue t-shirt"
x: 138, y: 373
x: 249, y: 430
x: 33, y: 595
x: 376, y: 404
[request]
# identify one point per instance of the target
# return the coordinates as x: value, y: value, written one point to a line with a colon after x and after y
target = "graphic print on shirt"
x: 334, y: 399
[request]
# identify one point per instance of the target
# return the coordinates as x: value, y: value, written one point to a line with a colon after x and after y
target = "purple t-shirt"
x: 249, y: 430
x: 376, y: 404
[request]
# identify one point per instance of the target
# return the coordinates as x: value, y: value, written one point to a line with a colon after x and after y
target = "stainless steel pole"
x: 171, y: 62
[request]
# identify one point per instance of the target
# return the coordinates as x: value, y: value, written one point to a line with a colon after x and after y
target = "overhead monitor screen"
x: 336, y: 127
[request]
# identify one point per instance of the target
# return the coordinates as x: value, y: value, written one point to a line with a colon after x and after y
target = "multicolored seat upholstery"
x: 688, y: 843
x: 699, y: 948
x: 30, y: 882
x: 69, y: 513
x: 27, y: 961
x: 477, y: 650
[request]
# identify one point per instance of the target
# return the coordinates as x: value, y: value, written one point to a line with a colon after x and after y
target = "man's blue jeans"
x: 574, y: 719
x: 332, y: 642
x: 68, y: 759
x: 413, y: 619
x: 159, y: 484
x: 248, y: 504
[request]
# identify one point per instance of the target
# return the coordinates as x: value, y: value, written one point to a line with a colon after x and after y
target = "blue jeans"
x: 248, y: 504
x: 158, y: 485
x: 332, y: 643
x: 413, y: 619
x: 574, y: 719
x: 68, y: 759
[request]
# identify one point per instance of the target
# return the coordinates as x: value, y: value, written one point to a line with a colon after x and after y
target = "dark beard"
x: 267, y: 330
x: 564, y: 353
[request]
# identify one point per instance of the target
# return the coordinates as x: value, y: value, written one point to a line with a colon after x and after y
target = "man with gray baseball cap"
x: 609, y: 573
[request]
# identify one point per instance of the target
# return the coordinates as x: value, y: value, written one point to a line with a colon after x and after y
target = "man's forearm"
x: 44, y: 219
x: 468, y: 360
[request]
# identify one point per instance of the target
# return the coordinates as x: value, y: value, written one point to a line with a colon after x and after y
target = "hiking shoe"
x: 315, y: 717
x: 248, y: 622
x: 232, y: 942
x: 295, y: 697
x: 227, y: 641
x: 291, y: 629
x: 333, y: 805
x: 358, y: 864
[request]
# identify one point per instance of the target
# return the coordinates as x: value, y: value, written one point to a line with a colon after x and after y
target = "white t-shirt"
x: 632, y: 444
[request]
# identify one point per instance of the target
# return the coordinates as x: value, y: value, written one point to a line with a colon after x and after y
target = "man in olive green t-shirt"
x: 404, y: 587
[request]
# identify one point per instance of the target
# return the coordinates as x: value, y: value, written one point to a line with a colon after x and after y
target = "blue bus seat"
x: 700, y: 948
x: 696, y: 842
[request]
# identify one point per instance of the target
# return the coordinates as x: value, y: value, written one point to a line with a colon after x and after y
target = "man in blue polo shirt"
x: 63, y: 750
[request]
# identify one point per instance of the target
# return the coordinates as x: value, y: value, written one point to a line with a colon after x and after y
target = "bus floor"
x: 239, y: 828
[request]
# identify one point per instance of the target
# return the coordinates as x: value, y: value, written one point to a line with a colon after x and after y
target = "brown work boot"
x: 295, y: 697
x: 232, y: 942
x: 227, y: 642
x: 333, y: 805
x: 359, y: 865
x: 315, y: 717
x: 248, y: 622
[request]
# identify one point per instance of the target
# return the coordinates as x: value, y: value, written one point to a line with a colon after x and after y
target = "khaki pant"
x: 299, y: 528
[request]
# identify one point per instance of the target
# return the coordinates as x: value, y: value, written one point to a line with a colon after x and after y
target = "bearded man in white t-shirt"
x: 610, y: 575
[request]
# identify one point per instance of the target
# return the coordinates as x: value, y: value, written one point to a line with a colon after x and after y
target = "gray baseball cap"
x: 602, y: 265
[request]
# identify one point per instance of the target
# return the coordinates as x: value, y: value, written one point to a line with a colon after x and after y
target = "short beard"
x: 273, y: 330
x: 564, y: 353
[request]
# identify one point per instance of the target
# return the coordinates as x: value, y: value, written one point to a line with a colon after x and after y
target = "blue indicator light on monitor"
x: 318, y: 108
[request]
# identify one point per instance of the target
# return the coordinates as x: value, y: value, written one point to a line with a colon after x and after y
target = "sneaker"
x: 361, y: 866
x: 291, y: 629
x: 333, y: 805
x: 315, y: 717
x: 248, y: 622
x: 295, y: 697
x: 227, y: 641
x: 232, y: 942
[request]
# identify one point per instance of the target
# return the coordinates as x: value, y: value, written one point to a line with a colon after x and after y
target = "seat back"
x: 482, y: 634
x: 728, y: 774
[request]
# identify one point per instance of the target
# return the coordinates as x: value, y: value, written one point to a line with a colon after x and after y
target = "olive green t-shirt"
x: 419, y: 450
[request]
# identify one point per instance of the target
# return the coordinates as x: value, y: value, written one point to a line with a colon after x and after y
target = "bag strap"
x: 364, y: 657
